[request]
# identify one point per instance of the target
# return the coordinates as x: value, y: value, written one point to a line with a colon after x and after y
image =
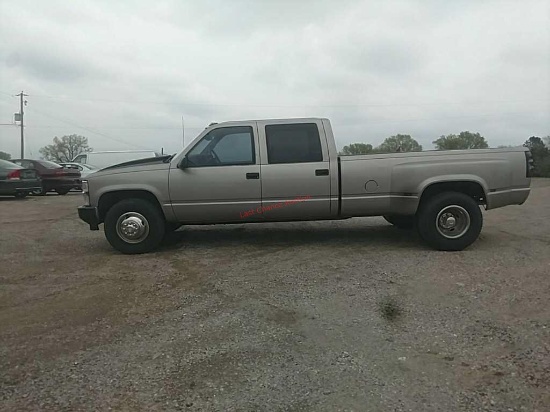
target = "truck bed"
x: 373, y: 184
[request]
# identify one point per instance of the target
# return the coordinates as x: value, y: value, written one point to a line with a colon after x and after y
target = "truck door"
x: 220, y: 181
x: 295, y: 170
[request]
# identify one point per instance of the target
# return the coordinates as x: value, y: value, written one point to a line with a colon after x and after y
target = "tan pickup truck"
x: 289, y: 170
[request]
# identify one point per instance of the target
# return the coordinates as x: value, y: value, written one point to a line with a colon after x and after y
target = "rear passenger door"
x: 295, y: 165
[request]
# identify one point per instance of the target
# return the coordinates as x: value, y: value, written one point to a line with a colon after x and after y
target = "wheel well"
x: 107, y: 200
x: 472, y: 189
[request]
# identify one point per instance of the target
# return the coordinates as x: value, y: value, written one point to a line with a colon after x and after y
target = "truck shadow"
x: 340, y: 236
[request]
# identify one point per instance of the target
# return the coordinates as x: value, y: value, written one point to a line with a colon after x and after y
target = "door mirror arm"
x: 184, y: 164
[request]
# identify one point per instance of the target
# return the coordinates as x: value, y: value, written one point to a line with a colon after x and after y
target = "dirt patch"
x: 316, y: 316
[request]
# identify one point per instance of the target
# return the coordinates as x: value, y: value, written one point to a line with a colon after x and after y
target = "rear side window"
x: 293, y: 143
x: 49, y: 165
x: 25, y: 163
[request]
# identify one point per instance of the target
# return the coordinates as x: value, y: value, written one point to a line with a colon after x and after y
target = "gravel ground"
x: 321, y: 316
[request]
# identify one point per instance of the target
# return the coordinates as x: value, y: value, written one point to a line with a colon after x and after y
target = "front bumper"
x: 89, y: 215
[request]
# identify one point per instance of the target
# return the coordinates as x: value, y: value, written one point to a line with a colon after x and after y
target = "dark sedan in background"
x: 54, y: 177
x: 17, y: 181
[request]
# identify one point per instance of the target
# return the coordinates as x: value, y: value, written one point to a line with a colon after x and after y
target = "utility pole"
x: 21, y: 95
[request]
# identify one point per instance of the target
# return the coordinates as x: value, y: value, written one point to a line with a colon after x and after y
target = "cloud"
x: 49, y: 67
x: 130, y: 71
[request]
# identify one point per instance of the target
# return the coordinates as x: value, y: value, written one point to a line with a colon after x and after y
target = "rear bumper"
x: 17, y: 186
x: 90, y: 216
x: 501, y: 198
x: 52, y: 184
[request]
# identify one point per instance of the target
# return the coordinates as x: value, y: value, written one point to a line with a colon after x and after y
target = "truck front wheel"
x: 450, y: 221
x: 134, y: 226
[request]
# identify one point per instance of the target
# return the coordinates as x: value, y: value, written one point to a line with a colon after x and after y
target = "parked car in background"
x: 100, y: 160
x: 17, y: 181
x: 84, y: 169
x: 54, y: 177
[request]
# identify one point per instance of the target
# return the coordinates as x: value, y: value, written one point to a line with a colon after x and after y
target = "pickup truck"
x: 289, y: 170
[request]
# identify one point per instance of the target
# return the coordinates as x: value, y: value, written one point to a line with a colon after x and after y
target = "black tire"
x: 401, y: 222
x: 62, y: 192
x: 21, y: 195
x: 150, y: 215
x: 441, y: 234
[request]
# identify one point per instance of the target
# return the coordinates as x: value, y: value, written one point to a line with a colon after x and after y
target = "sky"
x: 125, y: 73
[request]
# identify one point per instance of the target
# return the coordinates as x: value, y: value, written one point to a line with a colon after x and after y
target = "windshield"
x: 4, y: 164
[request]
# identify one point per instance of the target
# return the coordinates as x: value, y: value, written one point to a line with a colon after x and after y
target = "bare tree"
x: 66, y: 148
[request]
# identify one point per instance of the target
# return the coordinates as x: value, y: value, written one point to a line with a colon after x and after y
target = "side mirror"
x: 184, y: 164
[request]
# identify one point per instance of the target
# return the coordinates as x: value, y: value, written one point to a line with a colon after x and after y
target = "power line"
x: 289, y: 106
x: 90, y: 130
x: 365, y: 122
x: 120, y: 128
x: 451, y: 117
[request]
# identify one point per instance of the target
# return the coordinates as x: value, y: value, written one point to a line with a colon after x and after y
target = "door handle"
x: 252, y: 175
x: 321, y: 172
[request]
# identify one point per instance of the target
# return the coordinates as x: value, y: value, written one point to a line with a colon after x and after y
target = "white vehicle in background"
x: 100, y: 160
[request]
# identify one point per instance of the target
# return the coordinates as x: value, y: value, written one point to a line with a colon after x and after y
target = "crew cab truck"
x: 289, y: 170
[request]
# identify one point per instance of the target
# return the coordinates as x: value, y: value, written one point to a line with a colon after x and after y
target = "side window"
x: 293, y: 143
x: 26, y: 164
x: 80, y: 159
x: 226, y: 146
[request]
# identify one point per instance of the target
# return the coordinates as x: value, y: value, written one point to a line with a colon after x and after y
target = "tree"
x: 541, y: 156
x: 399, y: 143
x: 465, y: 140
x: 357, y: 149
x: 5, y: 156
x: 66, y: 148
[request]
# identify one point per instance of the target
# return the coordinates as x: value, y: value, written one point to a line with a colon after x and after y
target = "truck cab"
x: 242, y: 166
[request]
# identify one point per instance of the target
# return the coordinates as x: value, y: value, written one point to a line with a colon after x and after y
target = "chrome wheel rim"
x: 132, y: 227
x: 452, y: 221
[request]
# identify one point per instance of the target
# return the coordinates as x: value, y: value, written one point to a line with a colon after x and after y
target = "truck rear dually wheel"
x: 134, y: 226
x: 450, y: 221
